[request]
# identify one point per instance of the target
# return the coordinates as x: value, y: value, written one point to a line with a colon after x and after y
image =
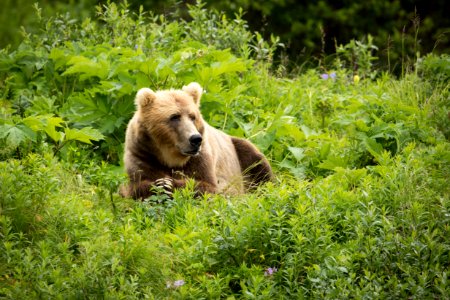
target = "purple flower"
x: 270, y: 271
x: 175, y: 284
x: 178, y: 283
x: 326, y: 76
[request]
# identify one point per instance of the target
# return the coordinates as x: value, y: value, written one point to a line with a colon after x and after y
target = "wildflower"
x: 326, y: 76
x: 356, y: 79
x: 178, y: 283
x: 88, y: 203
x: 270, y: 271
x: 175, y: 284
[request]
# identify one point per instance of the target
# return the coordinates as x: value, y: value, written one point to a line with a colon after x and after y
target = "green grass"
x: 375, y: 232
x: 359, y: 208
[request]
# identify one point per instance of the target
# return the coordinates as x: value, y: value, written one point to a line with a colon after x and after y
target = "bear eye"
x: 175, y: 117
x: 192, y: 117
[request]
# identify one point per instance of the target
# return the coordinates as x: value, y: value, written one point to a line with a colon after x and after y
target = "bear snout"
x: 195, y: 140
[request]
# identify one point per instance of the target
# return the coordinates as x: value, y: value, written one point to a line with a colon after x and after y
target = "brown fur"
x: 158, y: 145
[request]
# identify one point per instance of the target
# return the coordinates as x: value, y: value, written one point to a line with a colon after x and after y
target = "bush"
x: 359, y: 207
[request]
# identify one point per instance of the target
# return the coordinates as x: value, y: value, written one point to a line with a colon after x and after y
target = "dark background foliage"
x: 314, y: 27
x: 309, y: 30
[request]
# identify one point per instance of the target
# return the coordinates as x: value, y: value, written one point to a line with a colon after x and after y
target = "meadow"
x: 359, y: 208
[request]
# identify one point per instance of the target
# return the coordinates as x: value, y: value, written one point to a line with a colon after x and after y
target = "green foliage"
x: 94, y: 71
x: 357, y: 56
x: 401, y: 29
x: 435, y: 67
x: 359, y: 208
x: 68, y: 248
x: 31, y: 129
x: 20, y: 17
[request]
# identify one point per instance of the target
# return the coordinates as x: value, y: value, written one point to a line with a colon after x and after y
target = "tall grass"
x: 359, y: 208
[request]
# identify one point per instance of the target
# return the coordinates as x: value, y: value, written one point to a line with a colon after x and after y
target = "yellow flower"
x: 88, y: 204
x: 356, y: 79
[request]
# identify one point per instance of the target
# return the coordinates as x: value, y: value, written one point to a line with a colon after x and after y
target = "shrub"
x: 359, y: 207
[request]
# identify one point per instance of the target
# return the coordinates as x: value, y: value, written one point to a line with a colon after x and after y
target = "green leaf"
x: 30, y: 134
x: 307, y: 131
x: 87, y: 67
x: 230, y: 66
x: 59, y: 57
x: 84, y: 135
x: 333, y: 162
x: 325, y: 150
x: 50, y: 128
x: 4, y: 129
x: 297, y: 171
x: 298, y: 153
x: 286, y: 129
x: 148, y: 67
x: 373, y: 147
x: 35, y: 123
x: 14, y: 135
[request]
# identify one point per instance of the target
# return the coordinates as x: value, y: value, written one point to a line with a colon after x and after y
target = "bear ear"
x: 195, y: 90
x: 144, y: 97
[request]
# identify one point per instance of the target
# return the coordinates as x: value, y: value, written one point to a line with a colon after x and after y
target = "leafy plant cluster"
x: 83, y: 75
x: 402, y: 30
x: 374, y: 232
x: 360, y: 206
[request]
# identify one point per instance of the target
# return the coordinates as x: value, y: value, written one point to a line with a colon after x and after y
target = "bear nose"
x: 196, y: 140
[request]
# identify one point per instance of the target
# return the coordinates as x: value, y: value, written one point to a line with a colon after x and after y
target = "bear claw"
x: 166, y: 183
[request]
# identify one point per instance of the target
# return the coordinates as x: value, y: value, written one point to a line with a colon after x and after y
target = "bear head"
x: 172, y: 119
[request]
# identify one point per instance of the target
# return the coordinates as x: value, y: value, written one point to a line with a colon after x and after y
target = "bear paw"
x: 166, y: 184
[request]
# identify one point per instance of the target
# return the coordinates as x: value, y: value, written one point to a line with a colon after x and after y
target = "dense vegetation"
x: 359, y: 209
x: 402, y: 30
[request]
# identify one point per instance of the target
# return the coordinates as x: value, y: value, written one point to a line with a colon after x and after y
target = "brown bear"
x: 167, y: 142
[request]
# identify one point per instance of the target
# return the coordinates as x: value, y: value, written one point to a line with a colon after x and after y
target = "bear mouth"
x: 189, y: 150
x: 194, y: 152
